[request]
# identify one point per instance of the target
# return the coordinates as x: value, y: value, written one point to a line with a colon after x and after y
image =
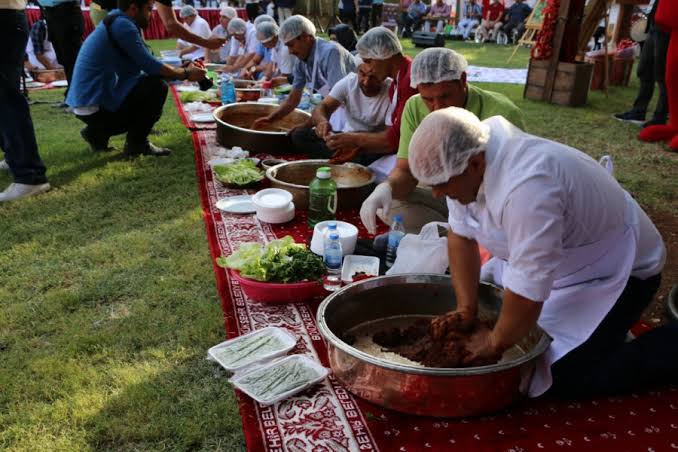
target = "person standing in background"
x: 364, y: 13
x: 253, y: 9
x: 347, y: 12
x: 66, y: 26
x: 17, y: 136
x: 651, y: 70
x: 377, y: 12
x: 285, y: 9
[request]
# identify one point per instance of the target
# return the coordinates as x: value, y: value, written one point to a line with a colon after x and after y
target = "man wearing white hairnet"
x: 279, y: 66
x: 196, y: 25
x: 382, y: 53
x: 573, y: 251
x: 319, y: 64
x: 226, y: 14
x: 243, y: 45
x: 440, y: 76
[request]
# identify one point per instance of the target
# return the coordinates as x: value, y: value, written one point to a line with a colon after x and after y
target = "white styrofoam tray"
x: 356, y: 264
x: 320, y: 374
x: 286, y: 339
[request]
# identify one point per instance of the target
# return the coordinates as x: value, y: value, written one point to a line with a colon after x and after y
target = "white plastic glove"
x: 380, y: 198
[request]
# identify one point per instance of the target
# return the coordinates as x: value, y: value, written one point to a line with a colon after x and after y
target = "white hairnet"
x: 444, y: 142
x: 263, y: 18
x: 187, y: 11
x: 229, y: 12
x: 267, y: 31
x: 437, y: 65
x: 294, y: 27
x: 379, y: 43
x: 237, y: 26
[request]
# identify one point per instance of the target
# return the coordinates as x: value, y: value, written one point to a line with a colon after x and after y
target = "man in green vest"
x: 439, y: 74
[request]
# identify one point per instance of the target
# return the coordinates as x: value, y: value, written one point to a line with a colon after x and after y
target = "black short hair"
x: 124, y: 5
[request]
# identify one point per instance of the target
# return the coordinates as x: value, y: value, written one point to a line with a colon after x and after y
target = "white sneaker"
x: 17, y: 191
x: 4, y: 166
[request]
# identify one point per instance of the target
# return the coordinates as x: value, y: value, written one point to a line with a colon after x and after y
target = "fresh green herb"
x: 279, y: 261
x: 242, y: 172
x: 247, y: 351
x: 197, y: 96
x: 269, y: 383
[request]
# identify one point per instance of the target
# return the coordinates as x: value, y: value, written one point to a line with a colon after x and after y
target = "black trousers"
x: 253, y: 11
x: 66, y: 26
x: 306, y: 141
x: 377, y: 11
x: 17, y: 136
x: 364, y: 14
x: 651, y: 70
x: 140, y: 110
x: 348, y: 16
x: 606, y: 364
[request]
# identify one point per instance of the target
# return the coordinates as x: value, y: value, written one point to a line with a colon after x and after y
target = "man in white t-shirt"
x: 226, y: 14
x: 243, y: 45
x: 198, y: 26
x: 366, y: 102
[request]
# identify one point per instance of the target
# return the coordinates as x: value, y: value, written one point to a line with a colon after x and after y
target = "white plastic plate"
x: 202, y: 117
x: 60, y: 83
x: 221, y: 353
x: 183, y: 88
x: 237, y: 204
x: 316, y: 372
x: 355, y: 264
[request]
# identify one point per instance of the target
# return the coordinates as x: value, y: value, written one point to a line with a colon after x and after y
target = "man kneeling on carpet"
x: 118, y: 86
x: 572, y: 249
x: 440, y: 76
x: 366, y: 102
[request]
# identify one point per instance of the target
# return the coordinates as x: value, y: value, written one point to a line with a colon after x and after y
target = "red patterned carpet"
x: 328, y: 418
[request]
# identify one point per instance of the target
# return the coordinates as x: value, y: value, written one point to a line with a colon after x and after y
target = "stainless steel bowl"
x: 234, y: 122
x: 354, y: 182
x: 444, y: 392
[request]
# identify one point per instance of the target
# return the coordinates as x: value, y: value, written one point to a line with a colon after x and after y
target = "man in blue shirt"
x: 118, y: 85
x: 318, y: 66
x: 411, y: 20
x: 514, y: 19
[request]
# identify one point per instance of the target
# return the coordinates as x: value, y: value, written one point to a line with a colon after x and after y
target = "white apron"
x: 338, y: 118
x: 586, y: 287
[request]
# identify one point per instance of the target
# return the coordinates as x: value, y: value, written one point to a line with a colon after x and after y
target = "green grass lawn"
x: 108, y: 302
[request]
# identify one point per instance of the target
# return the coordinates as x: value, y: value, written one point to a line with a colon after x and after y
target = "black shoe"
x: 146, y: 149
x: 95, y: 144
x: 655, y: 122
x: 633, y: 117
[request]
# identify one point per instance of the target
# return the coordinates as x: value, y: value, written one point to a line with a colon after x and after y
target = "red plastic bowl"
x: 266, y: 292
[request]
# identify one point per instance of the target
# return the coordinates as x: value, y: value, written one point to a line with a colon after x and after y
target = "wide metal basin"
x: 234, y: 122
x: 441, y: 392
x: 355, y: 182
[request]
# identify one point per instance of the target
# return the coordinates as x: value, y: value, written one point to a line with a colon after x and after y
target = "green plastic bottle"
x: 322, y: 201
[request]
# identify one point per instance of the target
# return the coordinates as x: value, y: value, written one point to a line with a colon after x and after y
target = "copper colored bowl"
x: 234, y: 122
x: 443, y: 392
x: 354, y: 182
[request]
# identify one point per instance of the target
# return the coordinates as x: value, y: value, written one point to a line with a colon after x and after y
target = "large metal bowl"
x: 443, y: 392
x: 354, y: 182
x: 234, y: 122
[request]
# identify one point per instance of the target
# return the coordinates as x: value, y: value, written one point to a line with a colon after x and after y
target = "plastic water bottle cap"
x: 332, y: 226
x: 334, y: 236
x: 398, y: 218
x: 323, y: 173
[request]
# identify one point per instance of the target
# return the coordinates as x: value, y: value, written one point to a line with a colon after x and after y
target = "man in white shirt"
x: 243, y: 45
x: 198, y: 26
x: 366, y: 102
x: 572, y: 249
x: 226, y: 14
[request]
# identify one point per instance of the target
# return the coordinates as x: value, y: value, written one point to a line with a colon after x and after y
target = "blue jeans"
x: 17, y: 137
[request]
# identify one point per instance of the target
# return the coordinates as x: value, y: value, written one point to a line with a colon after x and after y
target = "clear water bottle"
x: 332, y: 255
x: 305, y: 103
x: 227, y: 90
x: 394, y: 235
x: 322, y: 202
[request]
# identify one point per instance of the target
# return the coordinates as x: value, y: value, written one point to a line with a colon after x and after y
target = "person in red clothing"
x: 491, y: 21
x: 381, y: 51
